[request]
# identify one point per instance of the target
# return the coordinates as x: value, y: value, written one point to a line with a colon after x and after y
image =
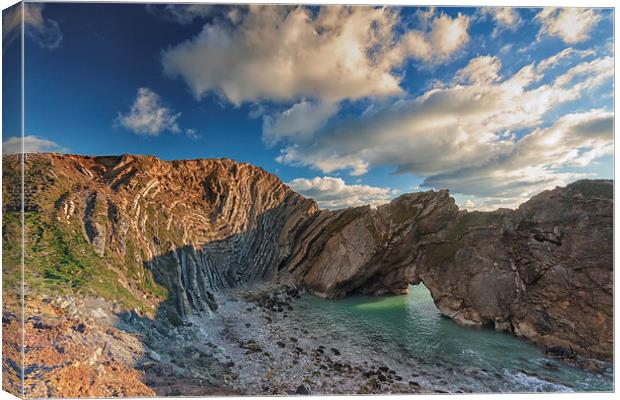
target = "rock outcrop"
x: 368, y: 250
x: 543, y: 271
x: 195, y: 228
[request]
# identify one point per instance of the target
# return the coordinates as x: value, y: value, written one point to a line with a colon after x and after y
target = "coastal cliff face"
x: 371, y: 251
x: 179, y: 230
x: 164, y: 239
x: 543, y: 271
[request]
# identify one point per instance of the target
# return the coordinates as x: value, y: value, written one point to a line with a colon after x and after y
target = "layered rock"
x: 543, y: 271
x: 197, y: 227
x: 370, y: 250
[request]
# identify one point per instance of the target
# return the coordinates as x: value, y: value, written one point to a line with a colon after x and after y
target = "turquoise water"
x: 409, y: 334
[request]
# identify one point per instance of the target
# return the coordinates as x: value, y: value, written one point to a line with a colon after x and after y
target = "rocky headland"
x: 146, y: 277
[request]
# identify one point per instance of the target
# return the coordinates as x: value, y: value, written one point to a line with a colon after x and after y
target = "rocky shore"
x: 274, y: 352
x: 120, y: 262
x: 257, y: 343
x: 249, y: 347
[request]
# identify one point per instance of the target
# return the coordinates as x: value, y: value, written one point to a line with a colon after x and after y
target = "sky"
x: 347, y: 105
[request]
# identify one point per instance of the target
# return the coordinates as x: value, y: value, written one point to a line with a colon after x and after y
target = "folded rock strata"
x: 197, y: 227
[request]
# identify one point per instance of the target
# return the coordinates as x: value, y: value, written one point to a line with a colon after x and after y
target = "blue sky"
x: 348, y: 105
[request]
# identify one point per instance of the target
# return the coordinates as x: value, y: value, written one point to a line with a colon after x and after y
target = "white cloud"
x: 299, y: 122
x: 413, y: 44
x: 440, y: 37
x: 148, y: 116
x: 586, y: 75
x: 448, y: 34
x: 192, y: 134
x: 425, y: 16
x: 44, y: 31
x: 555, y: 59
x: 505, y: 49
x: 460, y: 136
x: 506, y: 18
x: 282, y: 53
x: 322, y: 157
x: 11, y: 21
x: 184, y: 14
x: 535, y: 162
x: 489, y: 203
x: 572, y: 25
x: 482, y: 69
x: 571, y: 140
x: 32, y: 144
x: 287, y: 53
x: 335, y: 193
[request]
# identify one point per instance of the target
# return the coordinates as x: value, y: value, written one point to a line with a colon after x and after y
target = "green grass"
x: 58, y: 257
x: 11, y: 253
x: 59, y: 260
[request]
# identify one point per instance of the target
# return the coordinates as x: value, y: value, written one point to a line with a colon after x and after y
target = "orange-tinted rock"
x: 199, y: 227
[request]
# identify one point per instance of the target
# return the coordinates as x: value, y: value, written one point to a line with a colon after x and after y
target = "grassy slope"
x: 58, y: 257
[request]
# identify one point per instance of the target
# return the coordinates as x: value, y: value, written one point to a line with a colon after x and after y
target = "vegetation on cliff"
x: 164, y: 239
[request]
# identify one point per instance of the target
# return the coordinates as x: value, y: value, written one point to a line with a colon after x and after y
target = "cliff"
x: 165, y: 238
x: 543, y: 271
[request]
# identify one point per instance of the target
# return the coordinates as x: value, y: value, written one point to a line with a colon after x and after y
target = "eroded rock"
x: 197, y: 227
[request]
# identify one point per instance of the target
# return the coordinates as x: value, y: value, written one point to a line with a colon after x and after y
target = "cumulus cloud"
x: 439, y: 39
x: 32, y: 144
x: 286, y: 53
x: 299, y: 122
x: 574, y: 139
x: 506, y: 18
x: 572, y: 25
x: 281, y: 53
x: 448, y: 34
x: 462, y: 136
x: 482, y: 69
x: 148, y: 116
x: 533, y: 162
x: 335, y: 193
x: 413, y: 44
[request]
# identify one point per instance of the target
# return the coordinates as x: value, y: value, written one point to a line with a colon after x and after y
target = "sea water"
x: 409, y: 330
